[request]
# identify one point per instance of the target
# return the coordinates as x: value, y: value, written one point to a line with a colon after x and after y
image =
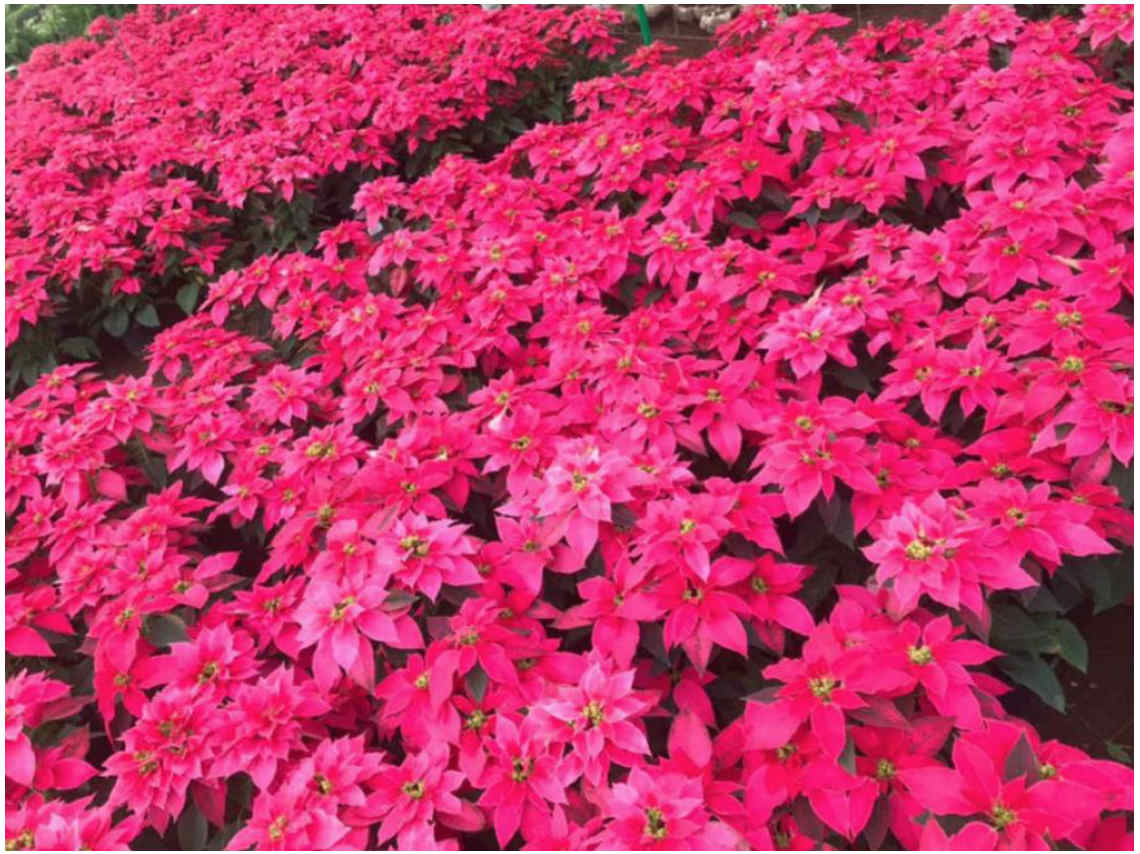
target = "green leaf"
x: 80, y: 348
x: 847, y: 757
x: 1119, y: 752
x: 837, y: 518
x: 398, y: 600
x: 187, y: 297
x: 477, y: 683
x: 876, y: 830
x: 1021, y: 761
x: 774, y: 195
x: 1031, y: 671
x: 147, y: 316
x: 165, y: 629
x: 1067, y: 591
x: 116, y: 322
x: 744, y: 220
x: 1039, y: 600
x: 221, y: 839
x: 1108, y: 578
x: 852, y: 378
x: 1016, y: 631
x: 192, y: 829
x: 1072, y: 646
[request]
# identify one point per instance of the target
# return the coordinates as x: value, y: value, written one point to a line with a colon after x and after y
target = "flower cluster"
x: 125, y: 162
x: 508, y: 513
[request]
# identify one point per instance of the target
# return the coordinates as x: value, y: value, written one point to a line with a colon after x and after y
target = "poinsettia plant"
x: 682, y: 475
x: 133, y: 178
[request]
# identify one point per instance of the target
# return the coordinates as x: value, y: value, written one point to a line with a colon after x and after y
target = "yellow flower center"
x: 521, y: 769
x: 26, y: 839
x: 340, y: 608
x: 415, y: 545
x: 920, y: 655
x: 655, y: 827
x: 822, y: 686
x: 919, y: 549
x: 146, y: 762
x: 593, y: 712
x: 277, y: 827
x: 1018, y: 516
x: 1001, y: 816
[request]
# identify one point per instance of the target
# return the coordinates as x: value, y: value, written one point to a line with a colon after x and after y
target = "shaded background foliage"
x: 29, y: 25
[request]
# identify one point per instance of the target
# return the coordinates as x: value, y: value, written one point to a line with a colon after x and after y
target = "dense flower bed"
x: 170, y: 145
x: 669, y: 480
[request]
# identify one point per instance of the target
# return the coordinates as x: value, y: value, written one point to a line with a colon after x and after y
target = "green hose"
x: 643, y: 22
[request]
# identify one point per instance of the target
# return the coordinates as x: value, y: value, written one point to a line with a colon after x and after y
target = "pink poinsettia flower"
x: 266, y: 720
x: 600, y: 712
x: 661, y: 812
x: 932, y: 549
x: 936, y: 657
x: 702, y: 614
x: 614, y: 608
x: 427, y: 554
x: 415, y: 697
x: 768, y: 593
x: 342, y: 619
x: 686, y: 529
x: 584, y: 483
x: 1032, y: 522
x: 289, y: 818
x: 409, y: 799
x: 170, y: 747
x: 805, y: 337
x: 828, y: 682
x: 524, y: 777
x: 29, y: 700
x: 1023, y: 814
